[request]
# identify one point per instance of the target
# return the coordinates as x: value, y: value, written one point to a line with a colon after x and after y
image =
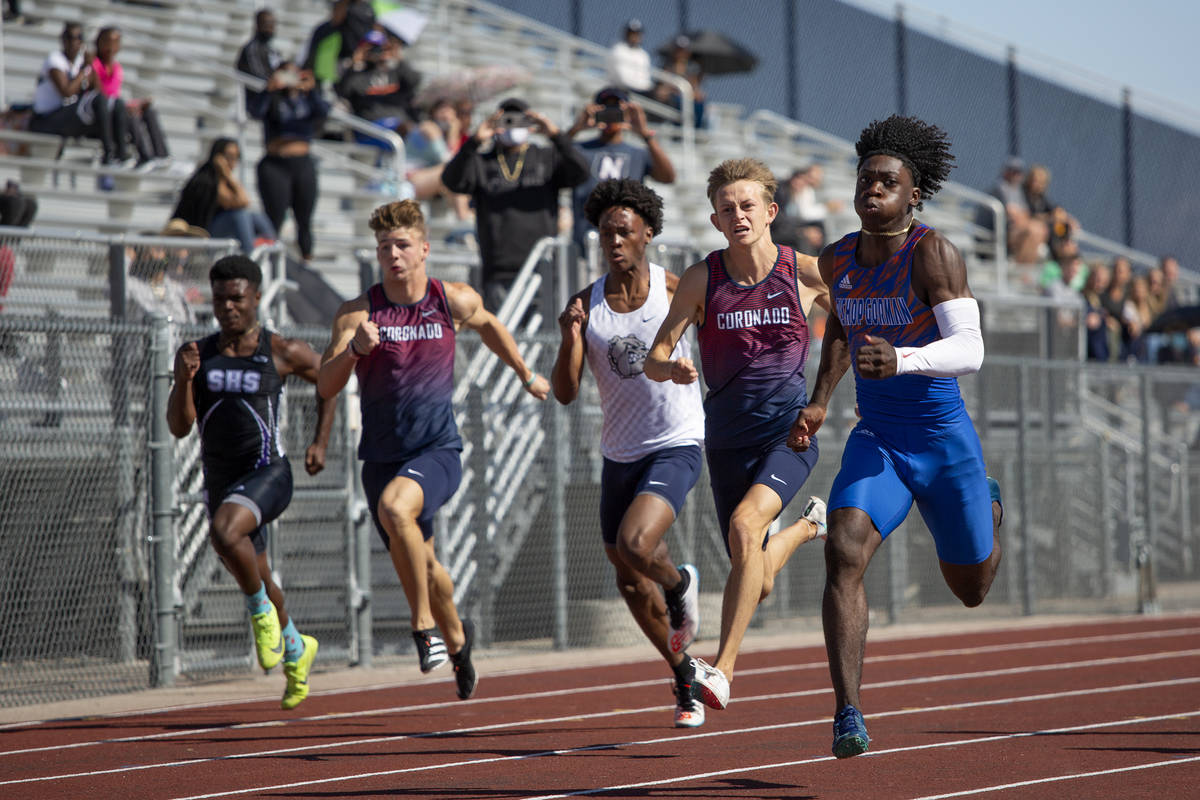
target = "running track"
x: 1097, y: 709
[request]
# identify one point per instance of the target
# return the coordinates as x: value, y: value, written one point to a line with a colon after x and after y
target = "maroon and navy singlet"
x: 407, y: 382
x: 753, y: 345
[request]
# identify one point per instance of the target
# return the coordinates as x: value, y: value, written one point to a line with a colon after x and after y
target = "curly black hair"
x: 231, y: 268
x: 631, y: 194
x: 922, y: 147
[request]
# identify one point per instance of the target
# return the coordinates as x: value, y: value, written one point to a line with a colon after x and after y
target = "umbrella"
x: 403, y: 23
x: 472, y: 84
x: 1175, y: 319
x: 715, y: 52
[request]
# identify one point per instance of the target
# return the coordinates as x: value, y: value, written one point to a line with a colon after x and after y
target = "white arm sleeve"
x: 958, y: 352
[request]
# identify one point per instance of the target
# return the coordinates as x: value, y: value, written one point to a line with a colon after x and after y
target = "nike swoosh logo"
x: 775, y: 477
x: 656, y: 483
x: 414, y: 472
x: 427, y: 313
x: 279, y: 647
x: 773, y: 296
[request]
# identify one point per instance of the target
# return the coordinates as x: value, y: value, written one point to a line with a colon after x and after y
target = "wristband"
x: 532, y: 378
x: 354, y: 354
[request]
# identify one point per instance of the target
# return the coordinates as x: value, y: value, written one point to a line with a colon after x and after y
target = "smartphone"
x: 610, y: 114
x: 515, y: 119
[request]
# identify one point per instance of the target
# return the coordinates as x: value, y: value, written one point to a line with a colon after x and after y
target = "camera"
x: 515, y: 119
x: 610, y: 114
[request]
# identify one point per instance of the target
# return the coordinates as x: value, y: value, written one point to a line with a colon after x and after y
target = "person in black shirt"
x: 515, y: 187
x: 231, y: 382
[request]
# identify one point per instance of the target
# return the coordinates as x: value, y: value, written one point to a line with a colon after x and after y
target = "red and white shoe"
x: 709, y: 685
x: 689, y: 712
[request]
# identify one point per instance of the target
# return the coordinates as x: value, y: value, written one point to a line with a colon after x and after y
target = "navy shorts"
x: 886, y: 467
x: 438, y: 472
x: 669, y: 473
x: 732, y: 471
x: 266, y: 491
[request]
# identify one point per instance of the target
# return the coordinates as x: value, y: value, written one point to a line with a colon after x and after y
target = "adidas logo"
x: 845, y: 283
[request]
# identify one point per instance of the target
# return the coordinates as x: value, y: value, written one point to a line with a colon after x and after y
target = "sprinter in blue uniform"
x: 904, y: 316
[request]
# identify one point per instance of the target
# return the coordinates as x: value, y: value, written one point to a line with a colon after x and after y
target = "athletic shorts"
x: 438, y: 472
x: 266, y: 491
x: 669, y: 474
x: 886, y: 467
x: 732, y: 471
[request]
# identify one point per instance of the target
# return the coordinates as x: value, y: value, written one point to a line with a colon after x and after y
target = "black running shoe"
x: 430, y: 649
x: 689, y: 711
x: 464, y: 670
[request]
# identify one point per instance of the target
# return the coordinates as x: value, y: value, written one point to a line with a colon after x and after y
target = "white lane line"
x: 638, y: 684
x: 1073, y: 777
x: 879, y: 659
x: 880, y: 753
x: 608, y: 745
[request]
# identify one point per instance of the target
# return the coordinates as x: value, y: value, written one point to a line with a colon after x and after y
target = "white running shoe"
x: 710, y: 685
x: 684, y: 612
x: 814, y: 512
x: 689, y: 712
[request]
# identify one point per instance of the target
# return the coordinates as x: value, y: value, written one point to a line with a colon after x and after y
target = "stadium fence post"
x: 167, y: 599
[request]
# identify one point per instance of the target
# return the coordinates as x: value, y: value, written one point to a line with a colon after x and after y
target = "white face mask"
x: 513, y: 137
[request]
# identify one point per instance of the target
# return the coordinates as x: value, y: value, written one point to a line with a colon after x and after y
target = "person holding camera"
x: 292, y: 111
x: 609, y: 156
x: 515, y: 187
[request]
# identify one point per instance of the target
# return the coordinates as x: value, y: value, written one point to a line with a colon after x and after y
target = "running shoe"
x: 268, y: 637
x: 464, y: 670
x: 814, y: 512
x: 849, y: 733
x: 709, y: 685
x: 296, y: 673
x: 994, y: 493
x: 689, y: 712
x: 683, y: 610
x: 430, y: 649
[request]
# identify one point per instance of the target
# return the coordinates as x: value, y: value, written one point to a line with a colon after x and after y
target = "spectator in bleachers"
x: 380, y: 85
x: 800, y: 223
x: 1063, y: 284
x: 140, y: 117
x: 429, y: 145
x: 292, y: 111
x: 1101, y: 328
x: 515, y: 187
x: 333, y: 41
x: 609, y: 155
x: 258, y: 57
x: 215, y: 200
x: 1026, y: 235
x: 1054, y: 268
x: 150, y: 287
x: 1114, y: 299
x: 680, y: 63
x: 17, y: 209
x: 628, y: 63
x: 64, y: 100
x: 1138, y: 316
x: 1060, y: 226
x: 1172, y: 294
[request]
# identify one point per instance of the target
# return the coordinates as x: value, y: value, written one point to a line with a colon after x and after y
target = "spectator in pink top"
x: 139, y: 116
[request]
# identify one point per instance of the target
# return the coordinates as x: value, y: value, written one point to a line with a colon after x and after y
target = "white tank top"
x: 641, y: 416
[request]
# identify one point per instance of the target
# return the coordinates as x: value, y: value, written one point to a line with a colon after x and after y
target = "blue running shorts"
x: 438, y: 473
x: 886, y: 467
x: 669, y: 473
x: 266, y: 491
x: 732, y: 471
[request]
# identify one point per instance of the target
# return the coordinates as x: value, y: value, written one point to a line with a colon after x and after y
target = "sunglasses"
x: 73, y: 37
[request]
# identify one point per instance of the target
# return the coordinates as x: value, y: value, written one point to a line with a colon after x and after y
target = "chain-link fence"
x: 111, y: 584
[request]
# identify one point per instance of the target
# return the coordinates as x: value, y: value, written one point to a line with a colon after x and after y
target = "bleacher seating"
x: 181, y: 54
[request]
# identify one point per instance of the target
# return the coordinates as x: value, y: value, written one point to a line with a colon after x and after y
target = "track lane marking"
x: 609, y: 745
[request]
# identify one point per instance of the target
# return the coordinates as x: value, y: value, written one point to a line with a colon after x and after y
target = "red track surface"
x: 1093, y: 710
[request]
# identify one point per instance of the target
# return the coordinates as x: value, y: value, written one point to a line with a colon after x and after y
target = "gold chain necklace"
x: 512, y: 175
x: 905, y: 229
